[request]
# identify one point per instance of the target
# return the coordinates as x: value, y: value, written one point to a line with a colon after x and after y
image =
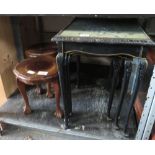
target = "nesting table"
x: 125, y: 41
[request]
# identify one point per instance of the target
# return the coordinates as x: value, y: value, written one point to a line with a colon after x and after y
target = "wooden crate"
x: 7, y: 84
x: 8, y: 58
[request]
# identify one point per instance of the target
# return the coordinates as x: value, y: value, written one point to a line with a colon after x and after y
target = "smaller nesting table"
x: 35, y: 71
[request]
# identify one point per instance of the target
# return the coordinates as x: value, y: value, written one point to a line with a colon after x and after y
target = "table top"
x: 99, y: 30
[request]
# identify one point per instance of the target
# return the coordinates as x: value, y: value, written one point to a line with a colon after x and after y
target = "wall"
x: 55, y: 23
x: 7, y: 47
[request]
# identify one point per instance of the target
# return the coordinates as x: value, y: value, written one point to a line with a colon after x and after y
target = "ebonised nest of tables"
x: 103, y: 37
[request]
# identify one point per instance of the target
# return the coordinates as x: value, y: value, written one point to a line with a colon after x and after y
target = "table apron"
x: 97, y: 48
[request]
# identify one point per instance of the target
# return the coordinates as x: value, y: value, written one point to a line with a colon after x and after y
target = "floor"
x: 21, y: 133
x: 89, y: 119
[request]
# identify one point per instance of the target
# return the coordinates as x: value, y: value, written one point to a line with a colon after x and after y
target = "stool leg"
x: 48, y: 93
x: 21, y: 87
x: 56, y: 87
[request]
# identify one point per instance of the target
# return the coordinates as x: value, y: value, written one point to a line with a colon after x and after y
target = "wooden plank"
x: 7, y: 47
x: 7, y: 59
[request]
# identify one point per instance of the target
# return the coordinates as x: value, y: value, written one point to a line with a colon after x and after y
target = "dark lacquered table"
x: 123, y: 40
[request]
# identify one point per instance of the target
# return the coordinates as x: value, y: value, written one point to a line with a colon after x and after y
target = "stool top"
x: 35, y: 70
x: 41, y: 49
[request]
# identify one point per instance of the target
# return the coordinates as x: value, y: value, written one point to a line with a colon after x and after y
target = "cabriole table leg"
x: 127, y: 72
x: 116, y: 64
x: 62, y: 78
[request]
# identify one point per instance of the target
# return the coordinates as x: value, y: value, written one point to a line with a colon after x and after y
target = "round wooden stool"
x: 42, y: 49
x: 35, y: 71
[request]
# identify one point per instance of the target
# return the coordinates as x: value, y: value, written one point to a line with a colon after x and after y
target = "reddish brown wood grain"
x: 46, y: 64
x: 138, y: 108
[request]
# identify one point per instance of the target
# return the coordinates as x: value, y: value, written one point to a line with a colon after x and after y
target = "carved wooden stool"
x: 34, y: 71
x: 42, y: 49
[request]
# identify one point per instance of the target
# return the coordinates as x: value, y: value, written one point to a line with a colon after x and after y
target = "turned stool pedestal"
x: 35, y: 71
x: 42, y: 49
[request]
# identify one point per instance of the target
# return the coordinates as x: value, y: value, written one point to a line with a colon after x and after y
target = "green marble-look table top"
x: 105, y: 31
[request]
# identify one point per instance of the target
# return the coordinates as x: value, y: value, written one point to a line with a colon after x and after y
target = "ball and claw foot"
x: 59, y: 114
x: 27, y: 110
